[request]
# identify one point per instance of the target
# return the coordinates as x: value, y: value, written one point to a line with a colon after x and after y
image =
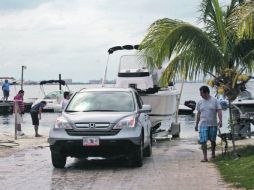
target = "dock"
x: 6, y: 107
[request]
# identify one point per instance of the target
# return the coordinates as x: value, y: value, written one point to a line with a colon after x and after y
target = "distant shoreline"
x: 95, y: 83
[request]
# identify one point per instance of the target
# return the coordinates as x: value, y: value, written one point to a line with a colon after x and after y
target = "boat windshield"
x: 94, y: 101
x: 54, y: 95
x: 132, y: 63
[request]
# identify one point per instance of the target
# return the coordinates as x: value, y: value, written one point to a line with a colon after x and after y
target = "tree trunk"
x: 232, y: 127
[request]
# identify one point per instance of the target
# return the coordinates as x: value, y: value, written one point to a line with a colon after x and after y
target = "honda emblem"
x: 91, y: 125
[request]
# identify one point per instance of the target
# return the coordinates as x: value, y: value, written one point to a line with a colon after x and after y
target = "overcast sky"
x: 72, y: 37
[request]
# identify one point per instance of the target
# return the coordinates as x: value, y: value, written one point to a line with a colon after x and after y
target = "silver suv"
x: 102, y: 122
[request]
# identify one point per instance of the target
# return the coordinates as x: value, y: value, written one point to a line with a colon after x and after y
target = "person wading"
x: 208, y: 108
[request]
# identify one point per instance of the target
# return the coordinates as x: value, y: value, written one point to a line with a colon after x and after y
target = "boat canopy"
x: 125, y: 47
x: 11, y: 78
x: 62, y: 82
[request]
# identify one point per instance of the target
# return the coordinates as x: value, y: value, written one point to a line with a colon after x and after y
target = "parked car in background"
x: 102, y: 122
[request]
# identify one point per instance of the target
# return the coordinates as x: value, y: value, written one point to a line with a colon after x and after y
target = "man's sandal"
x: 204, y: 160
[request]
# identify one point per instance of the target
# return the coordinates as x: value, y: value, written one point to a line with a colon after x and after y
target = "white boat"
x: 133, y: 72
x: 184, y: 110
x: 53, y: 99
x: 246, y: 106
x: 243, y: 113
x: 187, y: 108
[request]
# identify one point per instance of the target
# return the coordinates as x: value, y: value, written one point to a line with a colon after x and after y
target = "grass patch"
x: 239, y: 172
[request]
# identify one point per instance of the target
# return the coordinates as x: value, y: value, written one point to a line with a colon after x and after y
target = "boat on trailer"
x: 133, y: 72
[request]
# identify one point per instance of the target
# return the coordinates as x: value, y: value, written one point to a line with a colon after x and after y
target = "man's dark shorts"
x: 6, y: 93
x: 35, y: 118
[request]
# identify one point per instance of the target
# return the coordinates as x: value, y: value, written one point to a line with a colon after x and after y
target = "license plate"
x: 91, y: 141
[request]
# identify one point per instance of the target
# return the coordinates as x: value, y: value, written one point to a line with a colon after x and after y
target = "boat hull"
x: 52, y: 105
x: 164, y: 105
x: 246, y: 106
x: 184, y: 110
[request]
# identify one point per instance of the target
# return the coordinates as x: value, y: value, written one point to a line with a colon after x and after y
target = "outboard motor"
x: 191, y: 104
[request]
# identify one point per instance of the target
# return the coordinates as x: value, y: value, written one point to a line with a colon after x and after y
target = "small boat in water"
x: 53, y: 99
x: 184, y: 110
x: 188, y: 107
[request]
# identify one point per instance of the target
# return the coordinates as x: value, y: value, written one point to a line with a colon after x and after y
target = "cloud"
x: 72, y: 37
x: 17, y: 5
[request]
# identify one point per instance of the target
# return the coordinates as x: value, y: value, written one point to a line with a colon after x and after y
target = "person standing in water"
x: 36, y: 116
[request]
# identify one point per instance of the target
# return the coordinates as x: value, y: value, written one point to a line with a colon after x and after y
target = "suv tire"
x: 148, y: 150
x: 136, y: 159
x: 58, y: 160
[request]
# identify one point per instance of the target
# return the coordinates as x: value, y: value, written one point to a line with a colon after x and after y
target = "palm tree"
x: 223, y: 48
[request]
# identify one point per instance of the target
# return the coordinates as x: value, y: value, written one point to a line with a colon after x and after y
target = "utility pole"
x: 22, y: 71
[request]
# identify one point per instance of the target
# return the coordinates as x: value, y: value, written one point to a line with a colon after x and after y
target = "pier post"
x: 22, y: 71
x: 15, y: 115
x: 60, y: 86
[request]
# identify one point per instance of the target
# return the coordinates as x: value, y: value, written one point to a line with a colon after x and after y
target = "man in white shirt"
x: 206, y: 121
x: 67, y: 96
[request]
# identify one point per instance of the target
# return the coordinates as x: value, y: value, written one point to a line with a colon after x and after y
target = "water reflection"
x: 6, y: 119
x: 7, y: 123
x: 187, y: 123
x: 85, y: 174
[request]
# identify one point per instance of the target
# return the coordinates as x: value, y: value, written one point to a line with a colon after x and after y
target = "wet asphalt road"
x: 173, y: 165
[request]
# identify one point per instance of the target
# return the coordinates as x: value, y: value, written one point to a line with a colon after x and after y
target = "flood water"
x: 190, y: 92
x: 171, y: 165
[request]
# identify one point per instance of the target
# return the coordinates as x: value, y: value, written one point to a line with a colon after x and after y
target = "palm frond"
x: 243, y: 50
x: 244, y: 55
x: 185, y: 66
x: 157, y: 34
x: 212, y: 16
x: 240, y: 20
x: 176, y: 69
x: 165, y: 40
x: 224, y: 47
